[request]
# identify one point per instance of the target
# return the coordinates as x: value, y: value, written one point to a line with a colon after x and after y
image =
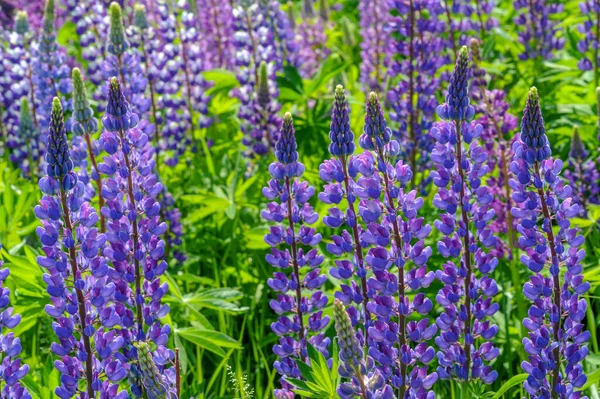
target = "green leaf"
x: 592, y: 378
x: 210, y: 340
x: 515, y: 380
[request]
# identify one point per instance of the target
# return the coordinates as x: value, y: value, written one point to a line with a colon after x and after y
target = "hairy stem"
x: 466, y: 252
x: 295, y: 259
x: 80, y: 298
x: 555, y: 282
x: 357, y: 250
x: 88, y: 140
x: 401, y: 289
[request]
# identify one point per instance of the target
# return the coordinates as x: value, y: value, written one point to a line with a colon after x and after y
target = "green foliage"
x: 319, y: 381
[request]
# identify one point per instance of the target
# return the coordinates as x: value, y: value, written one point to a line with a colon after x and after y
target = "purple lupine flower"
x: 312, y: 39
x: 419, y: 43
x: 539, y: 31
x: 51, y: 74
x: 340, y: 174
x: 71, y: 245
x: 468, y: 19
x: 588, y: 44
x: 497, y: 123
x: 215, y: 21
x: 557, y: 336
x: 286, y: 44
x: 193, y: 64
x: 396, y: 239
x: 375, y: 25
x: 133, y: 232
x: 256, y: 68
x: 583, y: 175
x: 92, y: 27
x: 12, y: 370
x: 84, y: 125
x: 365, y: 380
x: 467, y: 295
x: 123, y: 60
x: 299, y: 303
x: 19, y: 83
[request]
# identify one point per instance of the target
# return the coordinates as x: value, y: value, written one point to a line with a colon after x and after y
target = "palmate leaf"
x: 210, y: 340
x: 319, y: 380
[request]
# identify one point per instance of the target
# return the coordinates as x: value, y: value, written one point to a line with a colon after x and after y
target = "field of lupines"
x: 306, y: 199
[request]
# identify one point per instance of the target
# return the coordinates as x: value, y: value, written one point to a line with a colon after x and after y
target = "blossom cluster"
x: 104, y: 287
x: 556, y: 333
x: 300, y: 301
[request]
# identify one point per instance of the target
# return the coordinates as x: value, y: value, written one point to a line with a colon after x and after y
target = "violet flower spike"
x: 134, y: 230
x: 467, y: 295
x: 68, y: 228
x: 396, y: 237
x: 365, y: 379
x: 341, y: 175
x: 299, y: 301
x: 13, y: 370
x: 557, y: 335
x: 375, y: 24
x: 413, y: 63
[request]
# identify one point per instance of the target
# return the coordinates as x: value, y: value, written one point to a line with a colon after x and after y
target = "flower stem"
x: 295, y: 260
x: 88, y: 141
x: 80, y: 297
x: 466, y: 252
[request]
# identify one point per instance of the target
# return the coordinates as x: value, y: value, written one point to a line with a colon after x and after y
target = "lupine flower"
x: 583, y: 175
x: 539, y: 34
x: 468, y: 19
x: 299, y: 300
x: 375, y: 24
x: 341, y: 174
x: 193, y: 64
x: 256, y: 64
x: 12, y: 370
x: 418, y: 42
x: 92, y: 27
x: 497, y: 123
x: 589, y: 28
x: 17, y: 83
x: 395, y: 235
x: 133, y: 231
x: 74, y: 274
x: 557, y: 336
x: 84, y: 125
x: 467, y: 295
x: 123, y: 60
x: 287, y: 46
x: 51, y: 73
x: 365, y: 379
x: 27, y: 145
x: 216, y: 28
x: 153, y: 381
x: 311, y: 39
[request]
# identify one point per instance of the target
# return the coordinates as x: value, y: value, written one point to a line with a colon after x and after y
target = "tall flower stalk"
x: 341, y: 174
x: 588, y: 46
x: 365, y: 379
x: 74, y: 269
x: 85, y: 125
x: 467, y: 295
x: 413, y: 66
x: 134, y: 230
x: 299, y: 300
x: 375, y: 22
x: 397, y: 237
x: 540, y: 32
x: 557, y: 336
x: 12, y: 369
